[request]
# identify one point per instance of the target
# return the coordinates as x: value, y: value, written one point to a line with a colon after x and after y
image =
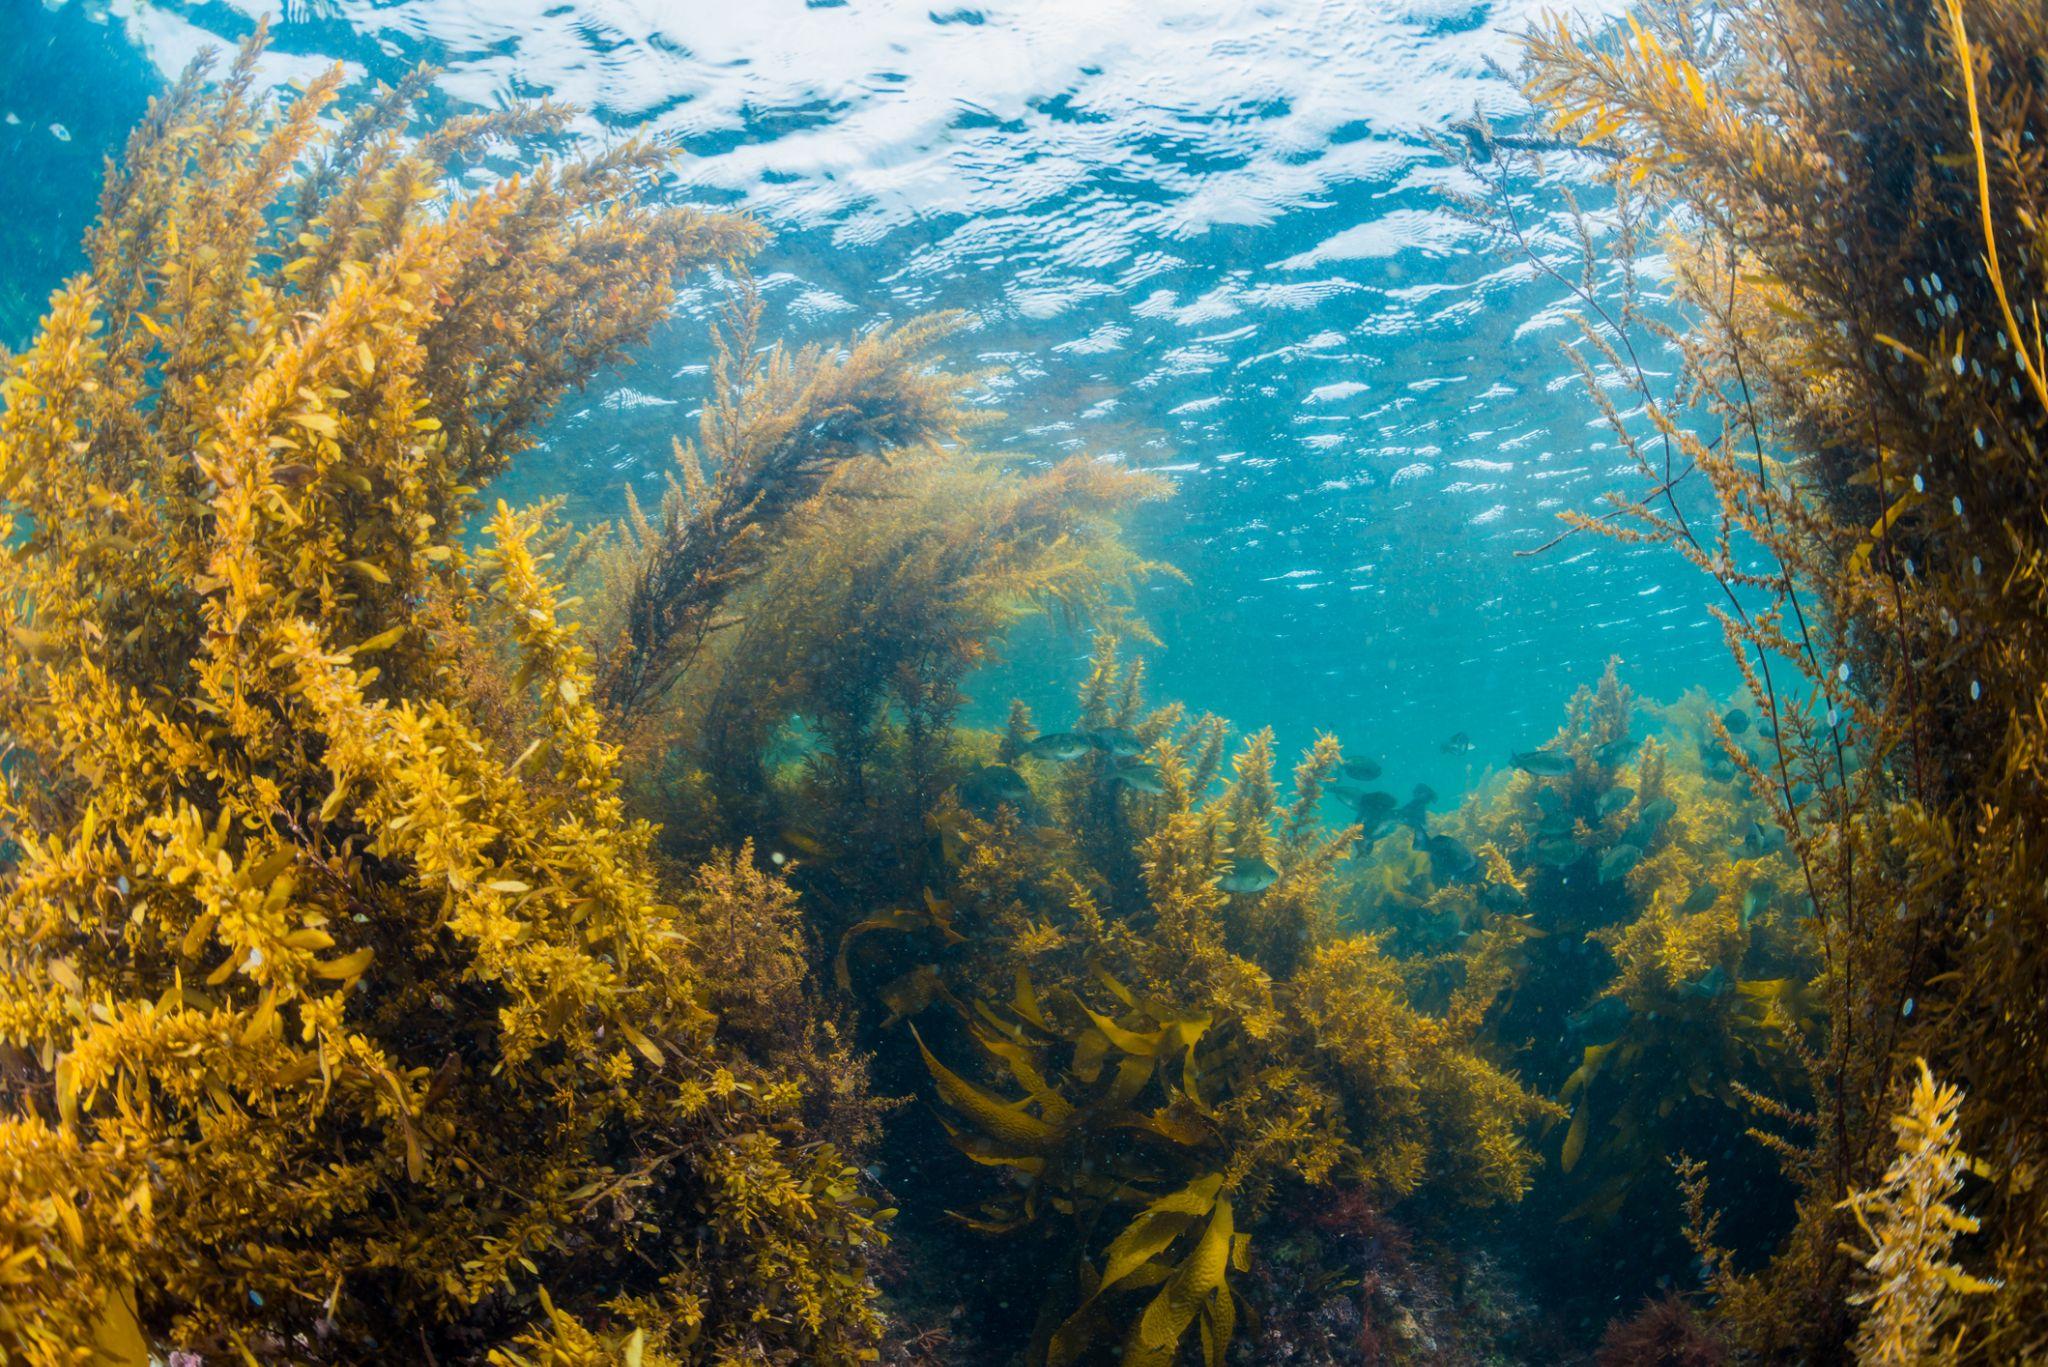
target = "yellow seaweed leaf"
x: 1005, y: 1122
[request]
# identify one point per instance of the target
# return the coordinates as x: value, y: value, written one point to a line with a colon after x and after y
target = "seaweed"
x: 1851, y: 193
x: 1168, y: 1061
x: 347, y: 1010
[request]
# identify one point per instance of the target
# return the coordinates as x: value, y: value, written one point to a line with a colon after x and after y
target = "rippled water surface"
x: 1202, y: 237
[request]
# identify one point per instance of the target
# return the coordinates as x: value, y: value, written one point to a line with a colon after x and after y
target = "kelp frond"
x: 1910, y: 1223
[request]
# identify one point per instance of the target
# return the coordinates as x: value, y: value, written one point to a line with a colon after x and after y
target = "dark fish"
x: 1618, y: 861
x: 1501, y: 898
x: 1557, y: 852
x: 1460, y: 744
x: 1713, y: 983
x: 1736, y: 720
x: 1115, y: 740
x: 1614, y: 799
x: 1374, y: 809
x: 1602, y: 1022
x: 993, y: 786
x: 1654, y: 814
x: 1248, y: 875
x: 1545, y: 763
x: 1755, y: 900
x: 1141, y: 778
x: 1364, y: 770
x: 1760, y: 839
x: 1415, y: 812
x: 1557, y: 823
x: 1449, y: 858
x: 1550, y: 800
x: 1616, y: 751
x: 1060, y: 745
x: 1703, y: 896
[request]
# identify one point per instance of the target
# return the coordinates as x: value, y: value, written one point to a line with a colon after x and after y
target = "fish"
x: 994, y: 786
x: 1141, y: 778
x: 1459, y: 744
x: 1248, y: 876
x: 1115, y: 741
x: 1501, y: 898
x: 1557, y: 851
x: 1703, y: 896
x: 1550, y: 800
x: 1449, y: 858
x: 1374, y: 809
x: 1557, y: 823
x: 1364, y: 770
x: 1545, y: 763
x: 1760, y: 839
x: 1616, y: 751
x: 1618, y: 861
x: 1602, y: 1022
x: 1755, y: 900
x: 1415, y: 812
x: 1062, y: 746
x: 1713, y: 983
x: 1655, y: 813
x: 1736, y: 720
x: 1614, y: 799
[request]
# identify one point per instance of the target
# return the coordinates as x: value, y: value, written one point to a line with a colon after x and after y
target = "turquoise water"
x: 1204, y: 238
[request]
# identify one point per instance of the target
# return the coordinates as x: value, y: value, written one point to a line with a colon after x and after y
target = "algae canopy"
x: 1036, y: 683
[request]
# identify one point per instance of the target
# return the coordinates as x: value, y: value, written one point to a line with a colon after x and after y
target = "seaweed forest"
x: 440, y: 926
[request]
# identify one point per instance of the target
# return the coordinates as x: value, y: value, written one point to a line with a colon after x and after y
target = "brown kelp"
x: 1132, y: 1000
x: 1644, y: 929
x: 1854, y: 454
x: 347, y: 1012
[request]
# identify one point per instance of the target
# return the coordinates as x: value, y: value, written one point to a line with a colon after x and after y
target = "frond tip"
x: 1911, y: 1222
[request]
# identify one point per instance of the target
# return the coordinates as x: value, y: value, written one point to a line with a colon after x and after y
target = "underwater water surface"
x: 1202, y: 238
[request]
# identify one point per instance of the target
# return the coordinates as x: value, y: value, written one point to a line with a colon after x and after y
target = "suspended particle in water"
x: 1842, y: 671
x: 1976, y: 690
x: 1907, y: 1008
x: 60, y: 132
x: 1956, y: 503
x: 1919, y: 485
x: 778, y: 859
